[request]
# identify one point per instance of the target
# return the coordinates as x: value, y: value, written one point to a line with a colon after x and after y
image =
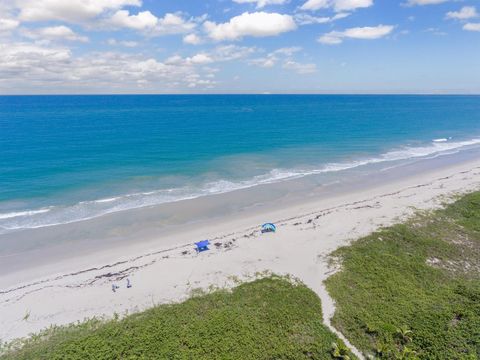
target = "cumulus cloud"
x: 257, y: 24
x: 200, y: 59
x: 55, y: 33
x: 271, y: 59
x: 425, y: 2
x: 36, y: 67
x: 337, y: 5
x: 264, y: 62
x: 300, y: 68
x: 216, y: 55
x: 126, y: 43
x: 192, y: 39
x: 288, y: 51
x: 472, y: 27
x: 105, y: 14
x: 284, y: 55
x: 197, y: 59
x: 29, y: 62
x: 150, y: 24
x: 75, y: 11
x: 435, y: 31
x: 39, y: 68
x: 232, y: 52
x: 8, y: 24
x: 465, y: 13
x: 365, y: 33
x: 307, y: 19
x: 261, y: 3
x: 316, y: 4
x: 143, y: 20
x: 176, y: 24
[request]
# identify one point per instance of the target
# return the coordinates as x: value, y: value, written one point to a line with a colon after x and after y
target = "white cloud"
x: 192, y: 39
x: 60, y: 32
x: 316, y: 4
x: 154, y: 26
x: 435, y: 31
x: 75, y: 11
x: 175, y: 24
x: 332, y: 38
x: 8, y: 24
x: 284, y: 54
x: 348, y: 5
x: 218, y: 54
x: 425, y: 2
x: 288, y: 51
x: 261, y: 3
x: 337, y: 5
x: 365, y: 33
x: 258, y: 24
x: 31, y: 62
x: 307, y: 19
x: 232, y: 52
x: 200, y: 59
x: 265, y: 62
x: 34, y: 68
x: 197, y: 59
x: 105, y: 14
x: 466, y: 12
x: 125, y: 43
x: 143, y: 20
x: 472, y: 27
x: 300, y: 68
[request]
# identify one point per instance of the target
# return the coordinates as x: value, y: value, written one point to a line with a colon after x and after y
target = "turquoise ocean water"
x: 69, y: 158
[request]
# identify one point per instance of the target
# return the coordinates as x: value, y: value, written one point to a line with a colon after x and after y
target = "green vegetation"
x: 412, y: 291
x: 269, y: 318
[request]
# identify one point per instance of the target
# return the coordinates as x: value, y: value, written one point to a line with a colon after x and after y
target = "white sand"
x: 306, y: 235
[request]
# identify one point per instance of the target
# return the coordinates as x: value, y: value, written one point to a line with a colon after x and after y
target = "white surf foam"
x: 106, y: 200
x: 90, y: 209
x: 22, y: 213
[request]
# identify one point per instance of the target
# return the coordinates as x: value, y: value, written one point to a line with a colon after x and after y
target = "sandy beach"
x: 166, y: 269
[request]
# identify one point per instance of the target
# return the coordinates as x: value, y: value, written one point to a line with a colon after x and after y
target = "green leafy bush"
x: 265, y: 319
x: 413, y: 290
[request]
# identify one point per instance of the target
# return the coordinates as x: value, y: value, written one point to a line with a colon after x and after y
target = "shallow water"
x: 70, y: 158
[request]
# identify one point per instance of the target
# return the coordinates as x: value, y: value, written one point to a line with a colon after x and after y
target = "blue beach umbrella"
x: 268, y: 227
x: 202, y: 245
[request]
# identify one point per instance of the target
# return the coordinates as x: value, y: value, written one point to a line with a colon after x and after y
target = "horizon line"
x: 256, y: 93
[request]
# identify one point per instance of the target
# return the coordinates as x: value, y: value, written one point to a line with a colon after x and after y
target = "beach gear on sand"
x: 202, y: 245
x: 268, y: 227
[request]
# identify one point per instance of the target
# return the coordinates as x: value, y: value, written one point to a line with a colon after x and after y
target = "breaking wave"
x: 85, y: 210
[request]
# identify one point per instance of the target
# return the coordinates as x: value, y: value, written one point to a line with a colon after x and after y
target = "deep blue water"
x: 65, y: 158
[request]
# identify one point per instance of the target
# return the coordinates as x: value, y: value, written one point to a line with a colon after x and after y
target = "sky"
x: 239, y: 46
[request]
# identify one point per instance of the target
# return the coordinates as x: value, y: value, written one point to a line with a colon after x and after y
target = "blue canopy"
x: 202, y: 245
x: 269, y: 227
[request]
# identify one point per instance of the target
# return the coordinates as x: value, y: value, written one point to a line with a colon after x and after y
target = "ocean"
x: 69, y: 158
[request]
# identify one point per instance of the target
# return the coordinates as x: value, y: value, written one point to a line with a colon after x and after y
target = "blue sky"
x: 239, y: 46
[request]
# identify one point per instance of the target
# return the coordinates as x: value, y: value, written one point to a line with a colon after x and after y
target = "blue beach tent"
x: 202, y: 245
x: 268, y: 227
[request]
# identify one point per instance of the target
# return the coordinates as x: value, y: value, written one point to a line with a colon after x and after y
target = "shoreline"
x: 307, y: 232
x: 165, y: 225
